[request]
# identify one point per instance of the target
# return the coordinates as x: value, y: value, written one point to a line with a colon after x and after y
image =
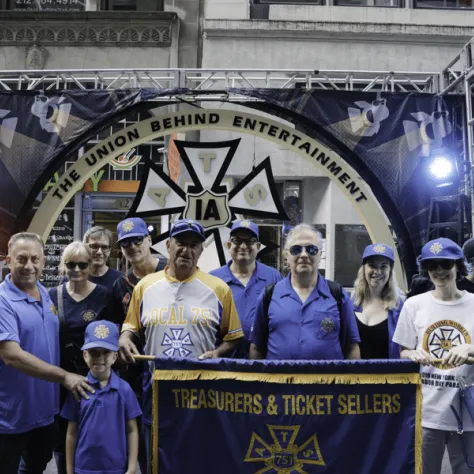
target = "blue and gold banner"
x: 252, y: 417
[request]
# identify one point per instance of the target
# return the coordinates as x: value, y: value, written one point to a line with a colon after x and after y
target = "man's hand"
x: 127, y: 349
x: 78, y: 385
x: 209, y: 355
x: 458, y: 355
x: 420, y: 356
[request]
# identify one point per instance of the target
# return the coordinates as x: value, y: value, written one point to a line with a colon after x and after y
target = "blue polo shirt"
x: 307, y: 331
x: 26, y: 402
x: 102, y: 426
x: 245, y: 297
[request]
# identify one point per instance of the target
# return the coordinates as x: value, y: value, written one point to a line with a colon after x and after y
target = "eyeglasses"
x: 131, y: 240
x: 432, y: 265
x: 95, y: 247
x: 311, y: 250
x: 73, y: 265
x: 247, y: 242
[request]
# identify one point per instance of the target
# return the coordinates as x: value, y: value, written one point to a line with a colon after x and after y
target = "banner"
x: 252, y: 417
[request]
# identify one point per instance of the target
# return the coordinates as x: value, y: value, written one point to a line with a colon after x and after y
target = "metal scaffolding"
x: 207, y: 81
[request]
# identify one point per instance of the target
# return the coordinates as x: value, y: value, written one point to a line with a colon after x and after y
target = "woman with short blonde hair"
x: 377, y: 303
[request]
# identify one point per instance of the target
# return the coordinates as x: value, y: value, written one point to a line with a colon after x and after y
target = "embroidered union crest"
x: 53, y: 309
x: 281, y: 454
x: 101, y: 331
x: 327, y: 325
x: 436, y: 248
x: 379, y: 248
x: 245, y: 224
x: 128, y: 226
x: 88, y: 316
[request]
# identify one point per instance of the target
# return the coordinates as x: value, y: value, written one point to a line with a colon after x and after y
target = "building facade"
x: 335, y: 37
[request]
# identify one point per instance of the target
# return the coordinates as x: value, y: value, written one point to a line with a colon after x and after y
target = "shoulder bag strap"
x: 336, y: 292
x: 62, y: 318
x: 458, y: 417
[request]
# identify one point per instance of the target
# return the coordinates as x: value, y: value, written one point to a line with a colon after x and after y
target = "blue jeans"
x: 34, y: 449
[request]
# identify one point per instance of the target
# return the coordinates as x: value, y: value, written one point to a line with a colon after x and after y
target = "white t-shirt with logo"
x: 436, y: 326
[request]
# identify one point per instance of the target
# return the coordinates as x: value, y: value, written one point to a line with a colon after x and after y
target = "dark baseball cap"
x: 245, y: 225
x: 182, y: 226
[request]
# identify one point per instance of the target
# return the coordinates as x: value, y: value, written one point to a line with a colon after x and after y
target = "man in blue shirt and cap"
x: 29, y: 355
x: 245, y: 276
x: 303, y: 319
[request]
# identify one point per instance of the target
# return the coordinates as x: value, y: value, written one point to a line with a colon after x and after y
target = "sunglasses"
x: 432, y: 265
x: 311, y: 250
x: 132, y: 240
x: 247, y: 242
x: 73, y: 265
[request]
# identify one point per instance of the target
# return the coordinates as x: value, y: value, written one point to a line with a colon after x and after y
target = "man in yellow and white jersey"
x: 180, y: 311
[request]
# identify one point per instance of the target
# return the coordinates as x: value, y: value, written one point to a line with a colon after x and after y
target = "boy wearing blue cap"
x: 102, y: 433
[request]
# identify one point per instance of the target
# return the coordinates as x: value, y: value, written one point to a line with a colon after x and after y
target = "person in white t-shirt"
x: 436, y: 330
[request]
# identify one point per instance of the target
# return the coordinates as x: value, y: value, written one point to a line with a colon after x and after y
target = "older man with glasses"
x: 245, y: 276
x: 304, y: 316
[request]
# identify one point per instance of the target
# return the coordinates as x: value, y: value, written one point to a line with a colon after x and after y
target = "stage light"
x: 441, y: 168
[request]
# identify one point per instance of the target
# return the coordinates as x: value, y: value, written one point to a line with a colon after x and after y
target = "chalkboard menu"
x: 49, y: 5
x: 62, y: 234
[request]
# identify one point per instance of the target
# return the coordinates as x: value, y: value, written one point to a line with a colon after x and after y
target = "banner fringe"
x: 418, y: 432
x: 350, y: 379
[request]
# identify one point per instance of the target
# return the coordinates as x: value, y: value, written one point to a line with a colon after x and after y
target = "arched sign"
x: 325, y: 160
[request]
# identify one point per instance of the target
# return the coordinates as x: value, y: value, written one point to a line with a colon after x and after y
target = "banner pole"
x: 143, y: 357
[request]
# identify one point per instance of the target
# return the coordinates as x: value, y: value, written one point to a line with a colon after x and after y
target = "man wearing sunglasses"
x: 303, y: 320
x: 180, y: 311
x: 245, y: 276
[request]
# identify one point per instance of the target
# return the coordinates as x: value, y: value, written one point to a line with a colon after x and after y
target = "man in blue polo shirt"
x: 303, y: 319
x: 245, y: 276
x: 29, y: 355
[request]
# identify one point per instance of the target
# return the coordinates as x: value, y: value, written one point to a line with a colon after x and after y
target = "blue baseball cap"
x: 245, y: 225
x: 441, y: 249
x: 187, y: 225
x: 378, y: 250
x: 132, y: 227
x: 101, y: 334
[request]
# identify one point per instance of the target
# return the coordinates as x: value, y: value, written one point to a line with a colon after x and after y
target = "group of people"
x: 100, y: 418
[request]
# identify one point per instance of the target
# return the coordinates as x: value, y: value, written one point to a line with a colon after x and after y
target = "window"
x: 370, y: 3
x: 351, y: 241
x: 454, y: 4
x: 47, y: 5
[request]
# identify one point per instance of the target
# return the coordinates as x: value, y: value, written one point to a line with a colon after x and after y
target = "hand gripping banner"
x: 255, y: 417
